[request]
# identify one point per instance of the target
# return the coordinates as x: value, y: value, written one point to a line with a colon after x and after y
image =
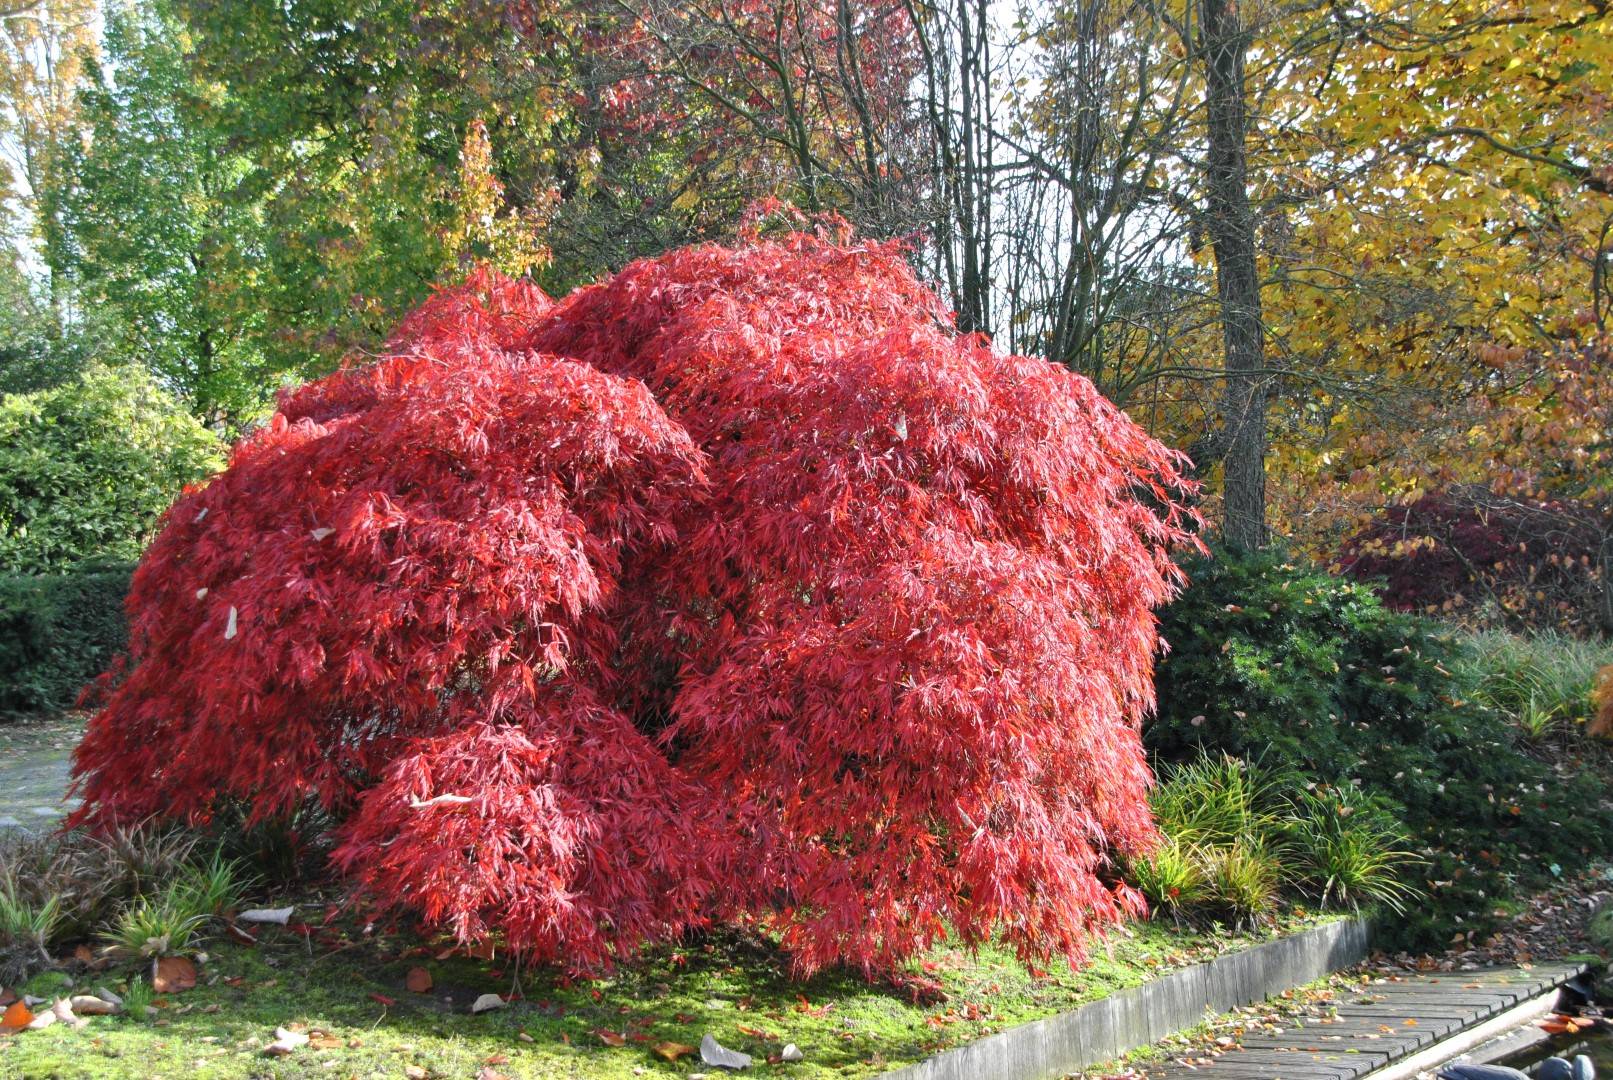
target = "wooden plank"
x: 1409, y: 1002
x: 1395, y: 1012
x: 1229, y: 1069
x: 1420, y: 1035
x: 1333, y: 1042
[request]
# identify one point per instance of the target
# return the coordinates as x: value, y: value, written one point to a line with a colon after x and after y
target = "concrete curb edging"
x: 1108, y: 1028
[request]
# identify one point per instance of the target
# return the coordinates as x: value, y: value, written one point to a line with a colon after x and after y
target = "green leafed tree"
x: 87, y: 467
x: 164, y: 241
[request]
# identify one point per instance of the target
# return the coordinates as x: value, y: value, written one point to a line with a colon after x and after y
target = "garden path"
x: 35, y: 755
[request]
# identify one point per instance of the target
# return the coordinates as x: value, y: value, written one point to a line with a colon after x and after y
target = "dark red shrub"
x: 1468, y: 550
x: 737, y: 585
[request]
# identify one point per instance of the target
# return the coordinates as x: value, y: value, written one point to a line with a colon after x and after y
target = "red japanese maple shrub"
x: 737, y: 585
x: 1475, y: 553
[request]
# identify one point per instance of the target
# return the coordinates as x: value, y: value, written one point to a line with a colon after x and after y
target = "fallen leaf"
x: 279, y: 916
x: 286, y: 1041
x: 487, y: 1072
x: 672, y: 1051
x: 239, y: 935
x: 713, y: 1052
x: 16, y: 1017
x: 173, y: 974
x: 611, y: 1038
x: 90, y: 1005
x: 415, y: 1072
x: 382, y: 999
x: 418, y: 980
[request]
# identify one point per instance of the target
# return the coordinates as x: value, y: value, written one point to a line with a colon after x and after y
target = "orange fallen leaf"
x: 173, y: 974
x: 611, y: 1038
x: 16, y: 1017
x: 382, y: 999
x: 418, y: 980
x: 756, y: 1033
x: 672, y: 1051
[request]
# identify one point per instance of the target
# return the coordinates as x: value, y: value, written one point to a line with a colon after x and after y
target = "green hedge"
x: 57, y: 632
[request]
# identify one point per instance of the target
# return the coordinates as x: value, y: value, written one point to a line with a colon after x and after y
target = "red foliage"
x: 1464, y: 548
x: 735, y: 586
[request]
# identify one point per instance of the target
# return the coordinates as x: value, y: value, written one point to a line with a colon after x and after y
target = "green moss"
x: 1600, y: 930
x: 734, y: 987
x: 47, y: 984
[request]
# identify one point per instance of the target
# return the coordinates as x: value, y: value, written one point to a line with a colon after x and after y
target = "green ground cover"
x: 349, y: 990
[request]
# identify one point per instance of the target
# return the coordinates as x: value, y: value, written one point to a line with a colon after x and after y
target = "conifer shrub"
x: 1311, y: 674
x: 736, y: 587
x: 57, y: 633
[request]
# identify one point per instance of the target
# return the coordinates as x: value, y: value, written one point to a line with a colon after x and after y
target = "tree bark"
x: 1231, y: 228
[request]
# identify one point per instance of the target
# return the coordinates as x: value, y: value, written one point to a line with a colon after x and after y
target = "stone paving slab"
x: 1387, y: 1019
x: 35, y: 755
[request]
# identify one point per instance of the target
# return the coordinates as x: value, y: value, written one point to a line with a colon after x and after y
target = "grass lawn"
x: 348, y: 991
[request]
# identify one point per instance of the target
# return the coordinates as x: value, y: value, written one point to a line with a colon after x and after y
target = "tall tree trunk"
x: 1232, y: 235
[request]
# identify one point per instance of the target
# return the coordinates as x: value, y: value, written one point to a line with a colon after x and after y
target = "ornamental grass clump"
x: 736, y: 587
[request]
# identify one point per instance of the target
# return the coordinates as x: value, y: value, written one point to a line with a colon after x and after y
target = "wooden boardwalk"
x: 1391, y: 1017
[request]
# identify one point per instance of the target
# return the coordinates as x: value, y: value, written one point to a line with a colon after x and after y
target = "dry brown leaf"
x: 611, y: 1038
x: 173, y: 974
x: 418, y: 980
x: 672, y: 1051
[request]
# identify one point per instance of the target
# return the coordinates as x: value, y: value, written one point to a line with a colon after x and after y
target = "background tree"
x: 162, y: 235
x: 351, y: 127
x: 1436, y: 256
x: 43, y: 47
